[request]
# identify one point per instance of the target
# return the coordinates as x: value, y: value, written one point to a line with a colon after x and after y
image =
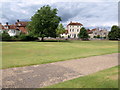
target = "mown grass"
x: 16, y: 54
x: 103, y: 79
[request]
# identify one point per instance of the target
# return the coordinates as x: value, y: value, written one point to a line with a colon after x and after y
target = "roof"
x: 75, y: 23
x: 23, y: 24
x: 12, y: 26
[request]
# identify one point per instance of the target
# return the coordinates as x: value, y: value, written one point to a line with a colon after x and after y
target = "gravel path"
x: 37, y: 76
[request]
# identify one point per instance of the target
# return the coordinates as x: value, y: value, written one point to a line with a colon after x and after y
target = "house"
x: 65, y: 35
x: 73, y: 29
x: 10, y: 29
x: 21, y: 26
x: 14, y: 29
x: 98, y: 32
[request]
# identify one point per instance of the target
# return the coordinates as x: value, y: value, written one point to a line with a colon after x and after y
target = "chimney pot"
x: 18, y: 20
x: 6, y: 23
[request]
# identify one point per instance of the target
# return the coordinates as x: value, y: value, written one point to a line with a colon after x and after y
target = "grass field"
x: 103, y: 79
x: 17, y: 54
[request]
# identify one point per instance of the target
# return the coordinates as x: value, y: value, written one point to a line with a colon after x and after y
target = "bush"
x: 24, y: 37
x: 5, y: 36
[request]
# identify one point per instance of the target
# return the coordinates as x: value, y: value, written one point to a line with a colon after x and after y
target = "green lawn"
x: 30, y: 53
x: 103, y: 79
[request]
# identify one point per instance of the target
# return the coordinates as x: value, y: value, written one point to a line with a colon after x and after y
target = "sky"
x: 90, y: 13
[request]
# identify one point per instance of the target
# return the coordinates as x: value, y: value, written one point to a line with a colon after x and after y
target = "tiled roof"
x: 75, y: 23
x: 12, y: 26
x: 23, y: 24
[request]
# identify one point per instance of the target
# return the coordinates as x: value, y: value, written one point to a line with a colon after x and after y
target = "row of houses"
x: 14, y: 29
x: 73, y: 28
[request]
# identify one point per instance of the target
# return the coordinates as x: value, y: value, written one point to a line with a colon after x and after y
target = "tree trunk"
x: 42, y: 39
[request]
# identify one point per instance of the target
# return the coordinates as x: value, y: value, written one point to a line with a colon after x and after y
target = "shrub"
x: 24, y: 37
x: 5, y: 36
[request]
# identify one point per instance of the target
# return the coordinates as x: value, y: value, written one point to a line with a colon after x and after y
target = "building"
x: 65, y: 35
x: 73, y: 29
x: 98, y: 32
x: 14, y: 29
x: 21, y: 26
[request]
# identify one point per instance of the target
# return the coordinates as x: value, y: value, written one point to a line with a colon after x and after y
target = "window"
x: 70, y: 30
x: 73, y: 30
x: 77, y: 30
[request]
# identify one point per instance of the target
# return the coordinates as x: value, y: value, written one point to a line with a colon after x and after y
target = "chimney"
x: 70, y: 21
x: 6, y: 23
x: 18, y: 20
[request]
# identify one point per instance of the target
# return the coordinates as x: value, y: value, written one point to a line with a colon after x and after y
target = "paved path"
x: 37, y: 76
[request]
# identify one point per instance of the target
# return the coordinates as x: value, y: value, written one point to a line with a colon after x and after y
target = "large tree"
x: 114, y: 34
x: 44, y: 22
x: 60, y: 29
x: 83, y: 34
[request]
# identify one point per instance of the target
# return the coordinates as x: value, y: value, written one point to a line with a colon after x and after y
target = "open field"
x: 103, y: 79
x: 30, y: 53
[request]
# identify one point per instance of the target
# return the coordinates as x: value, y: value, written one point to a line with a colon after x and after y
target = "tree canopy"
x: 83, y: 34
x: 44, y: 22
x: 60, y: 29
x: 114, y: 34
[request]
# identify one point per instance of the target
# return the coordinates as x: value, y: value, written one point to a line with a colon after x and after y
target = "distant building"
x: 14, y: 29
x: 21, y: 26
x: 98, y: 32
x: 65, y: 35
x: 73, y: 28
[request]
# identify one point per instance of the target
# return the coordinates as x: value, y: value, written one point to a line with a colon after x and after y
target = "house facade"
x: 14, y: 29
x: 73, y: 29
x: 98, y: 32
x: 21, y: 26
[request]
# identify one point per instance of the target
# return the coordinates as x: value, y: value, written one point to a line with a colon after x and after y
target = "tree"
x: 44, y: 22
x: 114, y: 34
x: 83, y: 34
x: 60, y: 29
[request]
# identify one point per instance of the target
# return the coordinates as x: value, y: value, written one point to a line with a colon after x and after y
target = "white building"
x: 73, y: 29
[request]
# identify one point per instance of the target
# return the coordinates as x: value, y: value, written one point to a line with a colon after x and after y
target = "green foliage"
x: 5, y: 36
x: 114, y: 34
x: 83, y: 34
x: 60, y: 29
x: 44, y: 22
x: 25, y: 37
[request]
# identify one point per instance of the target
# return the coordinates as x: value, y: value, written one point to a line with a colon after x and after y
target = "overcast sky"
x: 91, y: 13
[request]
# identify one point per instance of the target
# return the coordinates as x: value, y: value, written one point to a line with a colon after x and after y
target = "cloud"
x: 90, y: 12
